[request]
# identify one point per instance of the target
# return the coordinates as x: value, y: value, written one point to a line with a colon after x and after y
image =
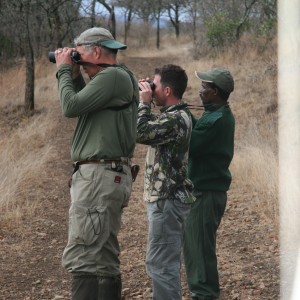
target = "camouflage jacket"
x: 168, y: 136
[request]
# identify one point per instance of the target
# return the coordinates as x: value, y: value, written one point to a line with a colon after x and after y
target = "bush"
x: 221, y: 30
x: 268, y: 28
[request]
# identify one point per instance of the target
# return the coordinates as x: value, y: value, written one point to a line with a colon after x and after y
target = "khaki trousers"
x: 98, y: 195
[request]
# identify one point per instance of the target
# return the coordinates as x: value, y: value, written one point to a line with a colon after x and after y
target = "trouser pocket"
x: 86, y: 224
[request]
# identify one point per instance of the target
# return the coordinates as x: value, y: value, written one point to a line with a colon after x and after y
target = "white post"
x: 289, y: 146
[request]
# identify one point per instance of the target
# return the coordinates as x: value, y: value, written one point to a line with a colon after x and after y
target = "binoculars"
x: 74, y: 55
x: 152, y: 85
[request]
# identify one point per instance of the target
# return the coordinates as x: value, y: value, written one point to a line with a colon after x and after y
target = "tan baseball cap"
x: 99, y: 36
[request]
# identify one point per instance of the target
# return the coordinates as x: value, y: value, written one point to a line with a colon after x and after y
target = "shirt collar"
x: 182, y: 104
x: 213, y: 107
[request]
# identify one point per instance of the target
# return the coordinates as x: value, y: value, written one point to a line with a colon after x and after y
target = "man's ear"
x: 168, y: 91
x: 98, y: 52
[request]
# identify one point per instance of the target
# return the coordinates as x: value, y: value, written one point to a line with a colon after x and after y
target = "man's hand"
x: 145, y: 92
x: 63, y: 56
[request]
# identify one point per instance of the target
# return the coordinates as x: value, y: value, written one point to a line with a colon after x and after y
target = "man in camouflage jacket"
x: 168, y: 191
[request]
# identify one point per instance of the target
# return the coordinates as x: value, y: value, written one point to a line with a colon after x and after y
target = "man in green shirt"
x: 210, y: 154
x: 102, y: 146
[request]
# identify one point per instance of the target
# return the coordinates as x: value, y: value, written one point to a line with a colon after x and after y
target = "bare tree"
x: 174, y: 8
x: 144, y: 12
x: 29, y: 25
x: 29, y: 57
x: 158, y: 9
x: 112, y: 18
x: 62, y: 19
x: 24, y: 39
x: 246, y: 13
x: 193, y: 11
x: 93, y: 13
x: 128, y: 9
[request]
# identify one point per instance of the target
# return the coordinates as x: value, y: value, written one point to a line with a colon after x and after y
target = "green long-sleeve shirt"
x: 107, y: 114
x: 211, y: 149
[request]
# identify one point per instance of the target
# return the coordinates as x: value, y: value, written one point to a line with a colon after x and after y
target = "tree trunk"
x: 194, y: 20
x: 29, y: 81
x: 112, y: 17
x: 93, y: 14
x: 158, y: 33
x: 127, y: 21
x: 177, y: 21
x: 113, y: 22
x: 58, y: 29
x: 29, y: 62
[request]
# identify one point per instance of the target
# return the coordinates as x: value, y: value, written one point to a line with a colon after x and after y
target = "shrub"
x: 222, y: 30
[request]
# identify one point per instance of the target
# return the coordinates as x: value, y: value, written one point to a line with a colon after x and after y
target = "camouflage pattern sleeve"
x: 167, y: 136
x: 156, y: 130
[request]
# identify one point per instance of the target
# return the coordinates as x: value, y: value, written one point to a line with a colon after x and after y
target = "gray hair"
x: 89, y: 47
x: 107, y: 51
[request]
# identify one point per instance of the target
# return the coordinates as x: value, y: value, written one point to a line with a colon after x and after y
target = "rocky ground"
x: 30, y: 250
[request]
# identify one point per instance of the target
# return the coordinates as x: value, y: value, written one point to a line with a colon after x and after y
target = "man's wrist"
x: 145, y: 103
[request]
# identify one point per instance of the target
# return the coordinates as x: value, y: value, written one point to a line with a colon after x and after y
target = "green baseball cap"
x: 221, y: 77
x: 99, y: 36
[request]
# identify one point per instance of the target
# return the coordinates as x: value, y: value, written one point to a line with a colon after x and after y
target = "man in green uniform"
x: 210, y: 154
x: 167, y: 188
x: 102, y: 146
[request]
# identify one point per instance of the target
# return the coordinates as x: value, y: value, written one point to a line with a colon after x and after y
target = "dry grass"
x: 169, y: 47
x: 255, y: 166
x: 11, y: 90
x: 23, y: 154
x: 25, y: 146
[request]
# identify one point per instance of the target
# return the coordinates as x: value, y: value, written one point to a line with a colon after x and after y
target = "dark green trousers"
x: 200, y: 244
x: 92, y: 287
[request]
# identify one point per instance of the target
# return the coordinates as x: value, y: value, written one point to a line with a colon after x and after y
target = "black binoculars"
x: 74, y: 55
x: 152, y: 85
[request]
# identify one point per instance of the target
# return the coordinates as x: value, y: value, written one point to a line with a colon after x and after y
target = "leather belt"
x: 113, y: 162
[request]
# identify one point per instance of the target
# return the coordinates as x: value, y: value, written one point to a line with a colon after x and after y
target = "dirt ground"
x: 30, y: 256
